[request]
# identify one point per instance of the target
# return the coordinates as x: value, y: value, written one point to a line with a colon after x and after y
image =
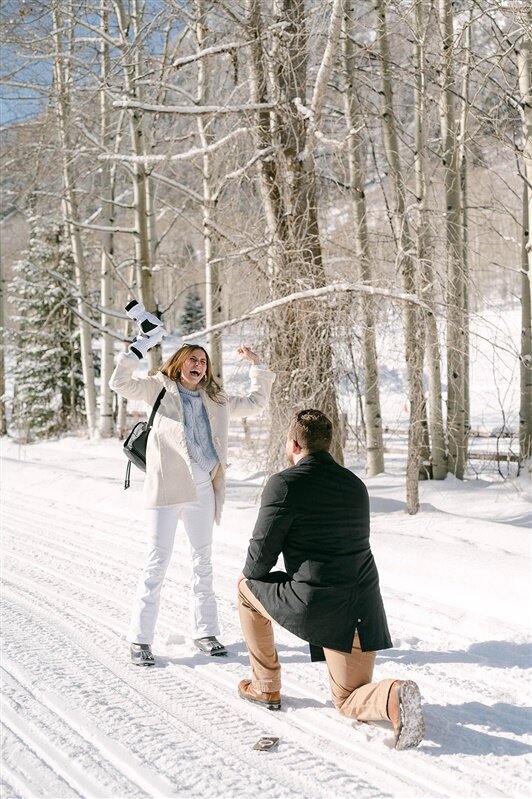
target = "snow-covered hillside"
x: 80, y: 721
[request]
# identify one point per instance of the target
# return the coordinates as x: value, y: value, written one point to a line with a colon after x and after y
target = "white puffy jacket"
x: 168, y: 473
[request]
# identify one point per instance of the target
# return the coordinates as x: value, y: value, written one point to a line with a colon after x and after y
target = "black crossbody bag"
x: 137, y: 441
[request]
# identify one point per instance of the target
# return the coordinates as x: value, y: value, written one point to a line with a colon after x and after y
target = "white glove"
x: 149, y: 323
x: 142, y: 344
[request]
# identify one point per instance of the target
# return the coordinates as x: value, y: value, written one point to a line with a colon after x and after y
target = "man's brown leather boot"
x: 272, y: 701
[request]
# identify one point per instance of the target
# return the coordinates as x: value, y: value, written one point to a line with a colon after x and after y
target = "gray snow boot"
x: 210, y: 645
x: 141, y: 655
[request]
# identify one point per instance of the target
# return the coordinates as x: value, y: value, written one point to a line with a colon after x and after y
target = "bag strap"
x: 127, y: 481
x: 155, y: 409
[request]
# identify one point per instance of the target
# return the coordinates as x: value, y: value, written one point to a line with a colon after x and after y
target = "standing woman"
x: 186, y: 460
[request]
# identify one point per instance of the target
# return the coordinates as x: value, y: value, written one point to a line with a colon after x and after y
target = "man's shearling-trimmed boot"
x: 406, y: 715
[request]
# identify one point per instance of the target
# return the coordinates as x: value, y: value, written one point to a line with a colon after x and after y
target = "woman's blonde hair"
x: 172, y: 369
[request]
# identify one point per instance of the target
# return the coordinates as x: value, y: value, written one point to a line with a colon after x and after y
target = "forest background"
x: 302, y: 173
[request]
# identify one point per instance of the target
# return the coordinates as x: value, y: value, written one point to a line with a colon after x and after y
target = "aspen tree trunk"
x: 456, y: 421
x: 353, y: 117
x: 63, y: 88
x: 463, y: 167
x: 213, y: 288
x: 438, y: 458
x: 133, y: 71
x: 412, y: 320
x: 263, y: 137
x: 422, y: 237
x: 300, y: 346
x: 107, y: 217
x: 525, y: 408
x: 151, y: 196
x: 312, y: 381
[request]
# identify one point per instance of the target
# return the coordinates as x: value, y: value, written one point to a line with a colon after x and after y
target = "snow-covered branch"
x: 102, y: 228
x: 96, y: 214
x: 228, y: 237
x: 262, y: 245
x: 153, y: 159
x: 226, y: 47
x: 334, y: 288
x: 214, y: 50
x: 100, y: 34
x: 192, y: 110
x: 95, y: 306
x: 96, y: 325
x: 243, y: 169
x: 174, y: 184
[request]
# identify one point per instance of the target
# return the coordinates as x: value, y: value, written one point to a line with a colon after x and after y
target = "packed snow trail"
x: 80, y: 721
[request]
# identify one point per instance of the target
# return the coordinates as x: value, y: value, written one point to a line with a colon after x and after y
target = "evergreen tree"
x: 193, y: 316
x: 48, y: 393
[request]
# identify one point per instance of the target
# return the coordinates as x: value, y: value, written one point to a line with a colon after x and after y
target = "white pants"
x: 198, y: 520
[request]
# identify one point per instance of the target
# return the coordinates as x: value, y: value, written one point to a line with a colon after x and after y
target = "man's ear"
x: 294, y: 446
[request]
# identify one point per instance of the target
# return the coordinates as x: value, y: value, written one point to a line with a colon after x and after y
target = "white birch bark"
x: 437, y: 453
x: 371, y: 397
x: 133, y: 71
x: 463, y: 170
x: 525, y: 406
x: 411, y: 320
x: 262, y: 133
x: 106, y: 424
x: 63, y: 89
x: 456, y: 423
x: 213, y: 289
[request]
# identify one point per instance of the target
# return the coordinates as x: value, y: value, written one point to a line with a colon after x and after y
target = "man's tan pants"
x: 350, y: 673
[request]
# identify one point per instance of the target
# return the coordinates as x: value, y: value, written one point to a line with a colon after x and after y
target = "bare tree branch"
x: 189, y: 110
x: 195, y: 151
x: 335, y: 288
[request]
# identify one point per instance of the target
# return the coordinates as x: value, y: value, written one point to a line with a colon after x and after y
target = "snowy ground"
x: 79, y: 721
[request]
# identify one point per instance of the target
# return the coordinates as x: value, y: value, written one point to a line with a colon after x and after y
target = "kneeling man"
x: 316, y: 514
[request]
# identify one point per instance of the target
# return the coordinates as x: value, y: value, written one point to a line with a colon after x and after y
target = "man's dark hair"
x: 311, y: 429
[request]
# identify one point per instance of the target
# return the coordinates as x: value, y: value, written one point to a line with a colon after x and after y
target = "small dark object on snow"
x: 266, y: 743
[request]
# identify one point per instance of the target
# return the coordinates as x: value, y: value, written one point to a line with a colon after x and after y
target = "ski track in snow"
x: 79, y: 721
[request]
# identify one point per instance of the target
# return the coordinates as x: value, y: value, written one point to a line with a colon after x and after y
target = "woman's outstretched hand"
x: 248, y: 354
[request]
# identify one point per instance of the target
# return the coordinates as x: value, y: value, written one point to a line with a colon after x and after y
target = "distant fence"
x: 501, y: 447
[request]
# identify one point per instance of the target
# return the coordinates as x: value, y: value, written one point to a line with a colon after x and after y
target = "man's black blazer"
x: 316, y: 514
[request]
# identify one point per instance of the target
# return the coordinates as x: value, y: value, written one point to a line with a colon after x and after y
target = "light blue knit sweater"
x: 197, y: 429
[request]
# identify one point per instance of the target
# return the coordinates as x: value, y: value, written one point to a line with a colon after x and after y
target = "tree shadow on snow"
x: 454, y: 729
x: 385, y: 505
x: 495, y: 654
